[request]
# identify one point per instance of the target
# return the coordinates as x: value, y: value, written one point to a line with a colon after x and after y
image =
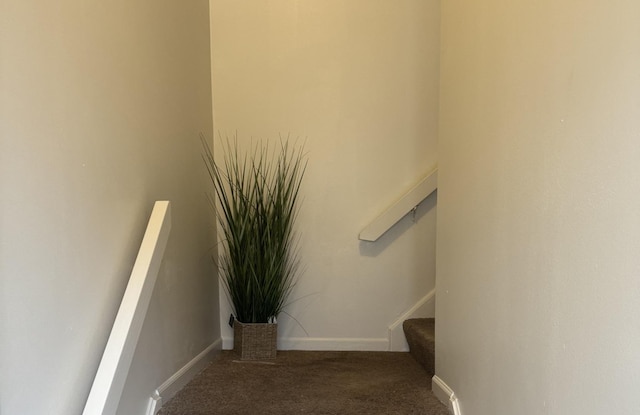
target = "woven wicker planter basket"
x: 255, y: 341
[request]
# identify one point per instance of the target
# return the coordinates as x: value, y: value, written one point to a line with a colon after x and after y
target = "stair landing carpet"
x: 303, y: 382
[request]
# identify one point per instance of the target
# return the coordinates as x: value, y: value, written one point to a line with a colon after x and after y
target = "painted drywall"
x: 538, y: 225
x: 100, y: 112
x: 357, y: 81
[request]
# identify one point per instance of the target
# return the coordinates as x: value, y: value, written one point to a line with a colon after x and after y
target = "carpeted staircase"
x: 420, y: 334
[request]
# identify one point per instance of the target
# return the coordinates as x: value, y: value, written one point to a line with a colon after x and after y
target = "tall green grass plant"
x: 258, y: 195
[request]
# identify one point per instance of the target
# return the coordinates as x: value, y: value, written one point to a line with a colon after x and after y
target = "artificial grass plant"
x: 257, y: 197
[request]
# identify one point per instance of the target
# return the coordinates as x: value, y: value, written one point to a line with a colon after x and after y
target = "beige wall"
x: 538, y: 225
x: 100, y: 110
x: 358, y: 80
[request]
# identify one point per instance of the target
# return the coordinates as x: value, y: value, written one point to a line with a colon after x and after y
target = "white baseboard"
x: 322, y: 343
x: 425, y: 307
x: 179, y: 379
x: 227, y: 343
x: 445, y: 394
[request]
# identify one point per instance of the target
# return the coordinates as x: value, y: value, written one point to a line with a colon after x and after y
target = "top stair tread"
x: 420, y: 334
x: 423, y: 327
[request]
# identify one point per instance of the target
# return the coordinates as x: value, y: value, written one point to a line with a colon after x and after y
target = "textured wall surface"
x: 100, y: 111
x: 358, y: 80
x: 538, y: 226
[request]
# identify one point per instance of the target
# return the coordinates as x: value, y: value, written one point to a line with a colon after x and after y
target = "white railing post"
x: 108, y: 384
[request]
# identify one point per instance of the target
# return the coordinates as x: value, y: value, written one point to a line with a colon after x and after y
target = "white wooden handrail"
x: 108, y: 384
x: 398, y: 210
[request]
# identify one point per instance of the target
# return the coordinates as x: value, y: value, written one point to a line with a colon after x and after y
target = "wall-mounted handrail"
x: 108, y: 384
x: 398, y: 210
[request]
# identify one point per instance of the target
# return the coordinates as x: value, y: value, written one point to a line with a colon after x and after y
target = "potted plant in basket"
x: 258, y: 204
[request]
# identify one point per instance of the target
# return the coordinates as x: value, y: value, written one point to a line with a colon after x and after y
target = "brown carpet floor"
x: 302, y: 382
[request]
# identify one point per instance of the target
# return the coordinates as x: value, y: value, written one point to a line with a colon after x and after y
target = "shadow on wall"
x: 373, y: 249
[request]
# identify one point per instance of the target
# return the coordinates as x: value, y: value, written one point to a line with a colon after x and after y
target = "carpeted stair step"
x: 420, y: 334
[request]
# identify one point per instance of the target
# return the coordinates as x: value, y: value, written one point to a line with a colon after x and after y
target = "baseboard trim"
x: 227, y: 343
x: 179, y: 379
x: 445, y: 394
x: 425, y: 307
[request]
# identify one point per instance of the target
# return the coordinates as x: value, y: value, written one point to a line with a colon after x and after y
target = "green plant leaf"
x: 257, y: 197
